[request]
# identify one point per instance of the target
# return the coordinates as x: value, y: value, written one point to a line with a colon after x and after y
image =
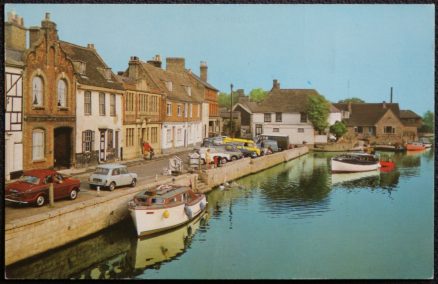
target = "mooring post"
x: 51, y: 197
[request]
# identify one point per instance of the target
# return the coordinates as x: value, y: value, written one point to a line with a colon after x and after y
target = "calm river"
x: 292, y: 221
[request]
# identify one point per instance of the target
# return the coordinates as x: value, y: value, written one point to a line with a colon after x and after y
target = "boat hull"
x: 345, y: 167
x: 149, y: 221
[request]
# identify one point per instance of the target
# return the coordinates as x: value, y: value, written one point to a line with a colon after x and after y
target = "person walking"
x: 146, y: 149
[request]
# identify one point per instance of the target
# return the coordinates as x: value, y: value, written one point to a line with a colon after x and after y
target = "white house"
x: 282, y: 112
x: 98, y: 107
x: 15, y: 44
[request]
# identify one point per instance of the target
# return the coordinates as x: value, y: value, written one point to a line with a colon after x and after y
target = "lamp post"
x: 231, y: 112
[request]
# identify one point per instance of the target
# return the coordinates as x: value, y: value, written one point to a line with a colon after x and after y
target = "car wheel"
x: 112, y: 186
x: 134, y: 182
x: 224, y: 160
x: 233, y: 158
x: 73, y: 194
x: 40, y: 200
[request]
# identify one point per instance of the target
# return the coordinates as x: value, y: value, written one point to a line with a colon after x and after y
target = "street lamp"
x: 231, y: 112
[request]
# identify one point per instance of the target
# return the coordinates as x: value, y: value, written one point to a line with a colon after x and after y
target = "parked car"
x: 226, y: 153
x: 213, y: 141
x: 111, y: 176
x: 243, y: 143
x: 33, y: 187
x: 246, y: 153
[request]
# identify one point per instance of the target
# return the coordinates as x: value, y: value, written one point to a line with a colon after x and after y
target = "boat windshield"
x: 157, y: 201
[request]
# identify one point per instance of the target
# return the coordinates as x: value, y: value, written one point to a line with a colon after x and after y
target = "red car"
x: 33, y: 187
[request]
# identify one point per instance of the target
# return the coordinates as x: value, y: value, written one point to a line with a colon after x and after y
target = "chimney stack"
x: 175, y: 64
x: 384, y: 104
x: 15, y: 32
x: 91, y: 46
x: 276, y: 84
x: 203, y: 71
x: 390, y: 100
x: 133, y: 68
x: 156, y: 61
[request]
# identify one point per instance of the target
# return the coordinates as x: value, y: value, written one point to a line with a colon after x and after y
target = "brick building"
x: 49, y: 96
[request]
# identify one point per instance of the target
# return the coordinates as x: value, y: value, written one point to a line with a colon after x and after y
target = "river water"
x: 293, y: 221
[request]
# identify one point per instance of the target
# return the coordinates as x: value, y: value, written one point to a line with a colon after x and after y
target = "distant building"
x: 379, y: 122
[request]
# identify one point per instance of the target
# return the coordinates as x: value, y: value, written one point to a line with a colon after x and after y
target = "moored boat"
x: 165, y: 207
x: 415, y: 146
x: 354, y: 162
x: 390, y: 148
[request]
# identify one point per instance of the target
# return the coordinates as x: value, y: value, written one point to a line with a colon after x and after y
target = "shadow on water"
x: 115, y: 253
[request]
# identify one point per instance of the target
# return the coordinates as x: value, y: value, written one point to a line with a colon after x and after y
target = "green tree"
x: 338, y: 129
x: 224, y: 100
x: 351, y: 100
x: 428, y: 122
x: 257, y: 95
x: 318, y: 109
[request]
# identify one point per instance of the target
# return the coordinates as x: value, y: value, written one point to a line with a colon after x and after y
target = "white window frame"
x: 169, y: 109
x: 37, y: 91
x: 62, y: 93
x: 178, y: 110
x: 86, y: 105
x: 38, y: 144
x: 169, y: 135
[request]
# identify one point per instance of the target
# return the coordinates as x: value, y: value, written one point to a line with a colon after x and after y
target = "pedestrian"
x: 208, y: 158
x: 152, y: 153
x: 146, y: 149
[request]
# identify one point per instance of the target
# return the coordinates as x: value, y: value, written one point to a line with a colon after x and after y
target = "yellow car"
x: 243, y: 143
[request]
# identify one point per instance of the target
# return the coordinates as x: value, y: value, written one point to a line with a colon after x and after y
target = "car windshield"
x: 101, y: 171
x: 30, y: 179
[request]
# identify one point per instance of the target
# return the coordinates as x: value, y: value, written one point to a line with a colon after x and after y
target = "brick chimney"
x: 384, y: 104
x: 50, y: 28
x: 156, y: 61
x: 175, y: 64
x: 134, y: 66
x: 276, y: 84
x: 91, y: 46
x: 15, y: 32
x: 203, y: 71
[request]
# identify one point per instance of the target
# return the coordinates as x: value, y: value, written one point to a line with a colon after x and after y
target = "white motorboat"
x: 354, y: 162
x: 165, y: 207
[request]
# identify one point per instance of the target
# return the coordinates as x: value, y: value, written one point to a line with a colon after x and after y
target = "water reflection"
x: 112, y: 254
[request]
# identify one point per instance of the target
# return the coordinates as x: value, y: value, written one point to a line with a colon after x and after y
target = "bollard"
x: 98, y: 190
x: 51, y: 197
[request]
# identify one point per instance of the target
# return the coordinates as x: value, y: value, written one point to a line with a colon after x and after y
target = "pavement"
x: 147, y: 170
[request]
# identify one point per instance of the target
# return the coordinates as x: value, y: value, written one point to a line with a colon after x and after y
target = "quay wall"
x: 247, y: 166
x: 30, y: 236
x: 27, y: 237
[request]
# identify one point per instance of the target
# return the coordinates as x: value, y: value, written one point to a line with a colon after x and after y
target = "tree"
x: 338, y: 129
x: 351, y: 100
x: 257, y: 95
x: 318, y: 109
x: 224, y: 100
x: 428, y: 122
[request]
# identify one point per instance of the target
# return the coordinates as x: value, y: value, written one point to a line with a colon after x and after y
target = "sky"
x: 342, y: 51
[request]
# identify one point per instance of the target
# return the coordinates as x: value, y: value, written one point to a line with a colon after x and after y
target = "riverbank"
x: 30, y: 236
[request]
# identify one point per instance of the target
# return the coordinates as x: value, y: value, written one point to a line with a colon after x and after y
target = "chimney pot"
x: 90, y: 46
x: 384, y: 104
x: 276, y: 84
x: 47, y: 16
x: 203, y: 71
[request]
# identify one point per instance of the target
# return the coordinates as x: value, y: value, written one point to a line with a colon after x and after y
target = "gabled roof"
x: 94, y: 66
x: 407, y: 114
x: 14, y: 57
x: 179, y: 82
x: 206, y: 84
x: 285, y: 100
x: 367, y: 114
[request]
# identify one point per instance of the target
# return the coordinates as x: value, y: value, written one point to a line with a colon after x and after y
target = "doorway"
x: 62, y: 147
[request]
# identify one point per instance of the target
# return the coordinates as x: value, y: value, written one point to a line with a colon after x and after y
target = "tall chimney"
x: 390, y: 100
x: 133, y: 68
x: 175, y: 64
x: 203, y: 71
x: 276, y: 84
x: 15, y: 32
x: 156, y: 61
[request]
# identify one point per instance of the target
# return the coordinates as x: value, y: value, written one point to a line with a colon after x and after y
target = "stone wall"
x: 243, y: 167
x: 30, y: 236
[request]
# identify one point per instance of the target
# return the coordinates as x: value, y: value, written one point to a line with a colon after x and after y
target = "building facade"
x: 15, y: 45
x: 49, y: 96
x: 99, y: 94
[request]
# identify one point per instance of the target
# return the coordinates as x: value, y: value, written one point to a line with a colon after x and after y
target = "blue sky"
x: 339, y: 50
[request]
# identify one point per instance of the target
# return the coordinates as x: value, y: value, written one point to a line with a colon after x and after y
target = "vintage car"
x: 112, y: 175
x: 33, y: 187
x: 226, y: 153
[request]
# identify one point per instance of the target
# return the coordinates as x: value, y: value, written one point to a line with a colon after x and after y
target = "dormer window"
x: 188, y: 90
x: 169, y: 86
x: 80, y: 67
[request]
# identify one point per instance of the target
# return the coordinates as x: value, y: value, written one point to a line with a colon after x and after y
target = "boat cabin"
x: 165, y: 195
